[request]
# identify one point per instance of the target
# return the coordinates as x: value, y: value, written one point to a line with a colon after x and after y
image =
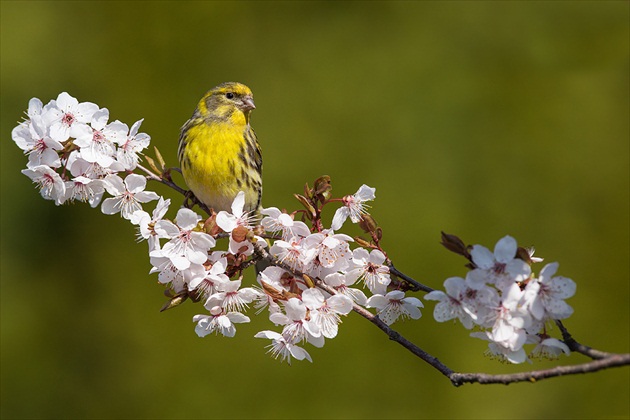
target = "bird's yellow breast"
x: 211, y: 162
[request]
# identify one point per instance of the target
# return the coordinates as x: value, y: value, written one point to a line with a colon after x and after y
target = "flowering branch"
x: 603, y: 360
x: 306, y: 271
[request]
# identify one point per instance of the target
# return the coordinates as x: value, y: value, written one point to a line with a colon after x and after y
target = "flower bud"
x: 239, y: 234
x: 362, y: 242
x: 367, y: 223
x: 309, y: 281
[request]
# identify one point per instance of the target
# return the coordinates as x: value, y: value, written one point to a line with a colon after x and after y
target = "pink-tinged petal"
x: 317, y: 341
x: 117, y: 132
x: 547, y: 272
x: 482, y: 257
x: 85, y: 111
x: 377, y: 301
x: 436, y: 295
x: 313, y: 298
x: 135, y: 127
x: 237, y: 317
x: 340, y: 217
x: 59, y: 132
x: 110, y: 206
x: 278, y: 318
x: 295, y: 309
x: 135, y: 183
x: 515, y: 357
x: 519, y: 270
x: 34, y: 107
x: 395, y: 295
x: 377, y: 257
x: 454, y: 286
x: 563, y: 287
x: 365, y: 193
x: 360, y: 256
x: 558, y: 309
x: 271, y: 335
x: 99, y: 119
x: 146, y: 196
x: 299, y: 353
x: 202, y: 240
x: 356, y: 295
x: 443, y: 311
x: 413, y: 311
x: 166, y: 229
x: 65, y: 101
x: 226, y: 221
x: 554, y: 342
x: 180, y: 262
x: 114, y: 185
x: 340, y: 303
x: 187, y: 219
x: 413, y: 301
x: 238, y: 204
x: 505, y: 249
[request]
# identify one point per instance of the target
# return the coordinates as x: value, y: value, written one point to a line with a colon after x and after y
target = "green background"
x: 477, y: 118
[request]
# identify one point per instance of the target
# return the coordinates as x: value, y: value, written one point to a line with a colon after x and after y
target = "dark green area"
x: 477, y: 118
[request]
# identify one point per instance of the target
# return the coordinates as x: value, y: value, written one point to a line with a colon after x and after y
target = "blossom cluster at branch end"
x: 506, y: 303
x: 76, y: 154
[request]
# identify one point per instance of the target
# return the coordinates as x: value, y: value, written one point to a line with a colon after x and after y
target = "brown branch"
x: 416, y: 286
x: 580, y: 348
x: 612, y: 360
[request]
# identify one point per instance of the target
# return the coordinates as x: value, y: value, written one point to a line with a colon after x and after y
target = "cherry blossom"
x: 68, y: 117
x: 353, y: 206
x: 127, y: 195
x: 218, y: 322
x: 395, y: 305
x: 370, y: 269
x: 50, y: 183
x: 283, y: 348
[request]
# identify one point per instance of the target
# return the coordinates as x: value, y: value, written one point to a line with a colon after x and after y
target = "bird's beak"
x: 248, y: 103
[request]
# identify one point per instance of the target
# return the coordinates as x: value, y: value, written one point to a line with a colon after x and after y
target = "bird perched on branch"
x: 218, y: 150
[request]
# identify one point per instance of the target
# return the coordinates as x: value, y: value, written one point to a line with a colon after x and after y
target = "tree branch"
x: 602, y: 360
x: 612, y: 360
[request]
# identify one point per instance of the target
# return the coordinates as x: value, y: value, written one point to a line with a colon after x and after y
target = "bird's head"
x: 228, y: 101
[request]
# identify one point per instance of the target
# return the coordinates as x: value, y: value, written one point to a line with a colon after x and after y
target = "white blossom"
x: 394, y: 305
x: 127, y: 195
x: 353, y: 206
x: 283, y: 348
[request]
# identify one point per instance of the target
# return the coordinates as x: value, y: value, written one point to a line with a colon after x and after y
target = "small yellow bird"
x: 218, y: 150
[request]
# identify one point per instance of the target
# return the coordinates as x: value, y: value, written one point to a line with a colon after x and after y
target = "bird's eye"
x: 229, y: 95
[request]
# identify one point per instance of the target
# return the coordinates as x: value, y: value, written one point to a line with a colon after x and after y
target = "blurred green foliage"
x: 477, y: 118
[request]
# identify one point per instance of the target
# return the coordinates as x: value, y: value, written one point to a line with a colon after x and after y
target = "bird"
x: 218, y: 150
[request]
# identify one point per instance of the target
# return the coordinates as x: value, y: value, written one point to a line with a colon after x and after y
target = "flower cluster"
x: 74, y: 153
x: 309, y: 314
x: 506, y: 302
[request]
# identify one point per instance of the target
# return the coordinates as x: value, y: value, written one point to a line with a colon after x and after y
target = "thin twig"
x: 580, y: 348
x: 416, y: 285
x: 170, y: 183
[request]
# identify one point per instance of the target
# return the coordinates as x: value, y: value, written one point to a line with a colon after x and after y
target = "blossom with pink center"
x: 353, y: 206
x: 127, y: 195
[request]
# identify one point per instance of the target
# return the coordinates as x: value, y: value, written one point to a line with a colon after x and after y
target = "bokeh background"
x: 477, y: 118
